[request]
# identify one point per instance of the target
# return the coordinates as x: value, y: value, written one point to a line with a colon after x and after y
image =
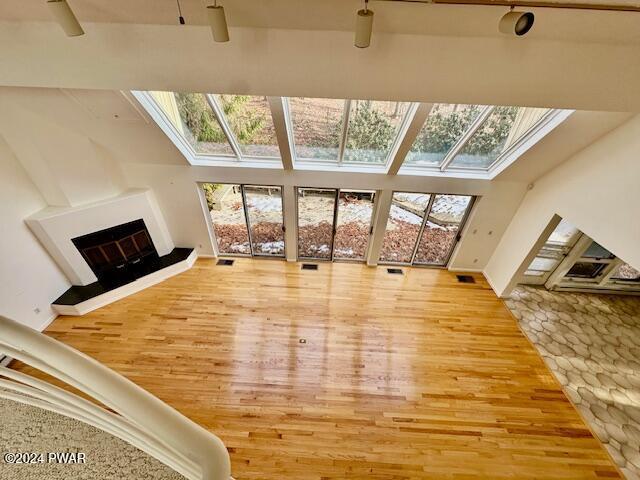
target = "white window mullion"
x: 542, y: 127
x: 416, y: 117
x: 279, y: 107
x: 219, y: 113
x: 464, y: 139
x: 345, y: 128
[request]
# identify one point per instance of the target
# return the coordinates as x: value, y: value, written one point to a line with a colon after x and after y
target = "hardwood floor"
x: 399, y: 377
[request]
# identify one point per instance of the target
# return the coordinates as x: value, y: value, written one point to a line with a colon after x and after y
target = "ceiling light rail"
x: 604, y: 7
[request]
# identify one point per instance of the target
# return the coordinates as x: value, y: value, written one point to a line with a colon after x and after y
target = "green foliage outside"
x: 370, y: 132
x: 444, y: 129
x: 209, y: 189
x: 493, y: 133
x: 244, y: 122
x: 201, y: 122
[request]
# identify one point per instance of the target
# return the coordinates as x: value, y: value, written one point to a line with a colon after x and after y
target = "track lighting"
x: 364, y: 25
x: 63, y: 14
x: 516, y: 23
x: 218, y: 23
x: 180, y: 17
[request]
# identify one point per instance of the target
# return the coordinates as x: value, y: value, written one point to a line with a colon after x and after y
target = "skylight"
x: 504, y: 127
x: 350, y: 132
x: 192, y: 115
x: 442, y: 130
x: 372, y: 130
x: 317, y: 127
x: 251, y: 125
x: 476, y: 141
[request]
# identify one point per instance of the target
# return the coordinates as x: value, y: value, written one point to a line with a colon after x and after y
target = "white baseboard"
x: 42, y: 327
x: 206, y: 255
x: 466, y: 270
x: 126, y: 290
x: 490, y: 282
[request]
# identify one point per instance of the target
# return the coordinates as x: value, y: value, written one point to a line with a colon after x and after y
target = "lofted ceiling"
x: 392, y: 16
x: 429, y: 53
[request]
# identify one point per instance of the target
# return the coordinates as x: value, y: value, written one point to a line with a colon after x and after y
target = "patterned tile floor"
x: 591, y: 343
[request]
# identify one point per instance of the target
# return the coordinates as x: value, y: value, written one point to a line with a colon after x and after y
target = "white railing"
x: 141, y: 419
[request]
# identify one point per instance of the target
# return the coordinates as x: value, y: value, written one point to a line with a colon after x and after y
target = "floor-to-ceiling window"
x: 423, y: 228
x: 265, y: 218
x: 316, y: 212
x: 246, y: 219
x: 334, y: 224
x: 441, y: 229
x: 353, y: 224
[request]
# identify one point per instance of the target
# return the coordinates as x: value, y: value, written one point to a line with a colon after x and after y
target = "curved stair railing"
x: 131, y: 413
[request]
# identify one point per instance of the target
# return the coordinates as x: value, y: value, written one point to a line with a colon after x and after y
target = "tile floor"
x: 591, y: 343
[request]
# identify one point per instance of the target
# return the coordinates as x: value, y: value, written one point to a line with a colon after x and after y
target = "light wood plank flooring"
x: 400, y: 377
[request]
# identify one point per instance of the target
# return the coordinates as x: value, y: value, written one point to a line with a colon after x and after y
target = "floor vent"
x: 309, y: 266
x: 395, y: 271
x: 465, y: 279
x: 225, y: 261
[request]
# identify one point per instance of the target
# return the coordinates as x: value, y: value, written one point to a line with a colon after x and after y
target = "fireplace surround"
x: 61, y: 228
x: 118, y: 253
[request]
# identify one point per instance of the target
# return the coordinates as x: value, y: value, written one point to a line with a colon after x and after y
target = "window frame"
x: 231, y: 137
x: 416, y: 246
x: 302, y: 163
x: 406, y: 134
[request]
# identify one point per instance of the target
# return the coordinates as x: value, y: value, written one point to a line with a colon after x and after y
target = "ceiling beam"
x: 410, y: 135
x: 279, y: 116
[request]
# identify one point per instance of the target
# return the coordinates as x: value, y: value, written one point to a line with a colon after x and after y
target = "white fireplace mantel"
x: 56, y: 226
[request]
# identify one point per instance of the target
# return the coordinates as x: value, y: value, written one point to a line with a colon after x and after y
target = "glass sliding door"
x: 403, y: 228
x: 441, y: 228
x: 265, y: 218
x: 316, y: 213
x: 226, y: 211
x: 353, y: 224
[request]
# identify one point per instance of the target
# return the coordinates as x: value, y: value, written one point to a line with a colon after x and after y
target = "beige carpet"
x: 29, y: 429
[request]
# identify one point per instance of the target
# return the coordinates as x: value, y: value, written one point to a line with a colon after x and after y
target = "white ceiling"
x: 432, y: 53
x: 391, y: 16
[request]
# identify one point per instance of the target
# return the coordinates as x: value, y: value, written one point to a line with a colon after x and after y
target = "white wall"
x: 176, y: 191
x: 29, y: 279
x: 130, y: 150
x: 68, y: 167
x: 571, y: 72
x: 597, y: 190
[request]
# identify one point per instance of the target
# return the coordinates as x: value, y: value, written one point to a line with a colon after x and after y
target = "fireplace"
x: 118, y: 254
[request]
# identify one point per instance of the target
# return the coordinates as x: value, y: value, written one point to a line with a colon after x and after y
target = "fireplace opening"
x: 118, y: 254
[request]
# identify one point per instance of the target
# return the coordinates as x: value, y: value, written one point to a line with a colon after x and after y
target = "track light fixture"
x: 516, y: 23
x: 180, y: 17
x: 218, y: 22
x: 364, y: 26
x: 65, y: 17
